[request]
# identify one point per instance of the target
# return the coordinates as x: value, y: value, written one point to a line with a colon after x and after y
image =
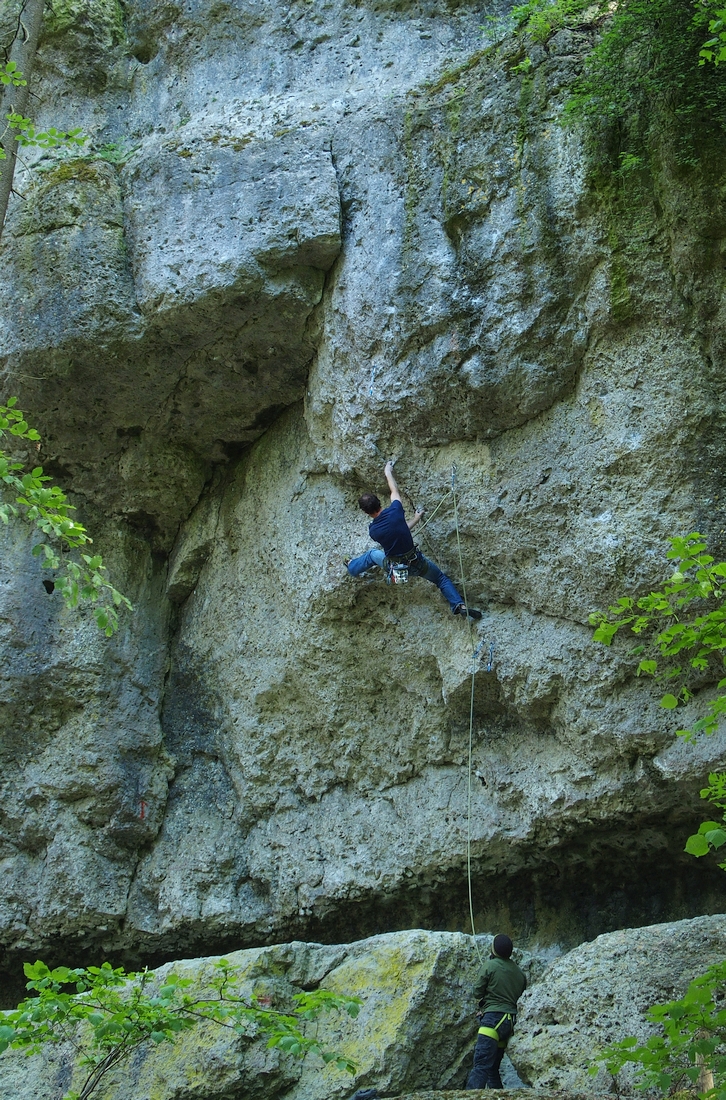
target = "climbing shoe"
x: 470, y: 612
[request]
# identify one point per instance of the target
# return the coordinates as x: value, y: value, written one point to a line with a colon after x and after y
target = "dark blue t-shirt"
x: 391, y: 531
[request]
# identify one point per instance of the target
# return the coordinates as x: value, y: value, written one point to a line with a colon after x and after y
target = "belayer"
x: 393, y: 532
x: 500, y: 985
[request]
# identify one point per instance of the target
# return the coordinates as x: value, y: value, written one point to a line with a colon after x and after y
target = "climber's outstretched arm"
x: 412, y: 522
x: 388, y: 471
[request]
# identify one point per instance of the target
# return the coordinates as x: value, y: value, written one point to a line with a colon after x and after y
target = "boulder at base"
x: 414, y: 1028
x: 599, y: 993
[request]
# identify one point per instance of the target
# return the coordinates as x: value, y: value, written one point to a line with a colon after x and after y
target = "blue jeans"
x: 488, y: 1054
x: 358, y: 565
x: 421, y: 567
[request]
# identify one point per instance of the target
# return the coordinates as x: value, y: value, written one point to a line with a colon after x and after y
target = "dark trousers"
x: 488, y: 1054
x: 420, y: 567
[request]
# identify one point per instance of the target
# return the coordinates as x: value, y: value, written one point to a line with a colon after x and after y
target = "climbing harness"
x: 493, y: 1032
x: 397, y: 568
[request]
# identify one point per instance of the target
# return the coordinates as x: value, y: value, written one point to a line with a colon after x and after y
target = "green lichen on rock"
x: 415, y: 988
x: 101, y: 19
x: 76, y: 192
x: 79, y: 169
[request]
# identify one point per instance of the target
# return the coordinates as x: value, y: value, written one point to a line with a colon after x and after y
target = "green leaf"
x: 669, y: 702
x: 697, y: 845
x: 605, y: 633
x: 648, y: 667
x: 716, y: 838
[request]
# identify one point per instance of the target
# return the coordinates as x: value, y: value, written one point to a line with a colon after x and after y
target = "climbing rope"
x: 471, y: 715
x: 474, y: 665
x: 427, y: 521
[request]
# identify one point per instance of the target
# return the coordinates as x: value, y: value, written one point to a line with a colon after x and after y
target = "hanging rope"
x: 471, y: 717
x: 475, y: 661
x: 422, y: 527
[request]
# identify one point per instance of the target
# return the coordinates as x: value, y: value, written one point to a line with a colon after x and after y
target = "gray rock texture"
x: 323, y: 235
x: 599, y: 993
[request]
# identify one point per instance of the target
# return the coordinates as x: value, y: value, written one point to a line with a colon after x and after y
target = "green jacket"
x: 501, y: 983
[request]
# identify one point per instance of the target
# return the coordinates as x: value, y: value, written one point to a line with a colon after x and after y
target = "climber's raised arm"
x: 393, y: 488
x: 392, y: 531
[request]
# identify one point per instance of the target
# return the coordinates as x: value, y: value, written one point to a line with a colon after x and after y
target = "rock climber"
x: 500, y: 985
x: 392, y: 531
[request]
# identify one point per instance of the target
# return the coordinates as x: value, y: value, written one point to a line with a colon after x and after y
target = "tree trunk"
x: 705, y: 1077
x: 15, y: 100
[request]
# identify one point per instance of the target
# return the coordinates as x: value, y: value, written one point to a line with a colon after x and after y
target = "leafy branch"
x: 111, y: 1013
x: 714, y: 49
x: 10, y: 74
x: 46, y: 506
x: 711, y: 835
x: 691, y: 1048
x: 23, y: 129
x: 669, y: 628
x: 26, y: 134
x: 662, y: 619
x: 541, y: 18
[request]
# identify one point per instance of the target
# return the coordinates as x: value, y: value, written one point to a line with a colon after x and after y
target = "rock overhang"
x: 182, y: 321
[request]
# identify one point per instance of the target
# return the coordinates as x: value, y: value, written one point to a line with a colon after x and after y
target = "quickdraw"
x: 396, y: 573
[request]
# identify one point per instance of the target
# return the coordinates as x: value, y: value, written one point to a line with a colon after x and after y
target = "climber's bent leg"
x: 427, y: 569
x: 359, y: 565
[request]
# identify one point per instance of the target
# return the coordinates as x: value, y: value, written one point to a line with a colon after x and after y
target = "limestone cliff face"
x: 345, y: 232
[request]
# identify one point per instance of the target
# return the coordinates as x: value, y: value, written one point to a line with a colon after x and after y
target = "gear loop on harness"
x: 397, y: 568
x: 396, y: 572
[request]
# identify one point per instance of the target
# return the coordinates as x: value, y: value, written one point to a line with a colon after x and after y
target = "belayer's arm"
x: 481, y: 986
x: 393, y: 488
